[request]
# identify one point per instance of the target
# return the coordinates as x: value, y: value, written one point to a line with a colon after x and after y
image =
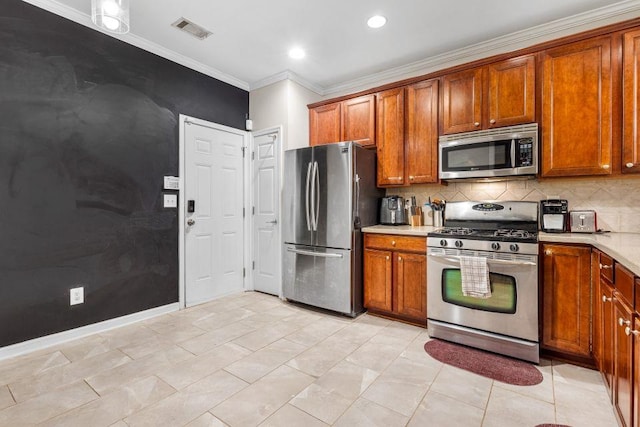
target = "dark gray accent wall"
x: 88, y: 129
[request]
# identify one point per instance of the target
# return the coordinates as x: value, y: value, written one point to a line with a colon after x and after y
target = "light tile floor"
x: 251, y: 359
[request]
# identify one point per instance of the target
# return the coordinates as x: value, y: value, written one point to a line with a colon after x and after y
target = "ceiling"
x: 251, y: 38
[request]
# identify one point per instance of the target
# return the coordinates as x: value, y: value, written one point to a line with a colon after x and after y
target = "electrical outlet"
x: 76, y: 295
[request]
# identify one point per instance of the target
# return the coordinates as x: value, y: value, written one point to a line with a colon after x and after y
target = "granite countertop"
x: 623, y: 247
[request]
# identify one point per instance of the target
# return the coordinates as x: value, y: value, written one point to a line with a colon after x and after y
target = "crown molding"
x: 287, y: 75
x: 520, y: 39
x: 84, y: 19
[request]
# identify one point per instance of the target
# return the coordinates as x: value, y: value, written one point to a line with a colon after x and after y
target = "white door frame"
x: 279, y: 171
x: 181, y: 202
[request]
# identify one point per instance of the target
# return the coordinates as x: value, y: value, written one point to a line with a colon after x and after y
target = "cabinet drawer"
x: 606, y: 267
x: 394, y: 242
x: 624, y: 283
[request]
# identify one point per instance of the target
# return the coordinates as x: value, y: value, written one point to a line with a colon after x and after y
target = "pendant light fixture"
x: 111, y: 15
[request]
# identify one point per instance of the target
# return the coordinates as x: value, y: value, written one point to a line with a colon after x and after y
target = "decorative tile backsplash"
x: 616, y: 201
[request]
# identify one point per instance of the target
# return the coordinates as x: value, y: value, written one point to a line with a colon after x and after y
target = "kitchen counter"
x: 404, y: 230
x: 623, y: 247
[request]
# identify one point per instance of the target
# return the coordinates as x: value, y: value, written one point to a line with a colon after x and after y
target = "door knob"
x: 630, y: 331
x: 629, y: 165
x: 190, y: 221
x: 274, y: 222
x: 492, y: 121
x: 476, y: 124
x: 623, y: 322
x: 605, y: 299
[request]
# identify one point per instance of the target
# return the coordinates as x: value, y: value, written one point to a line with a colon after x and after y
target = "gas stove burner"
x: 455, y: 231
x: 514, y: 234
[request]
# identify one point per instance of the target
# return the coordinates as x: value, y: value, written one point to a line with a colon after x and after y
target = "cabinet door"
x: 462, y: 101
x: 411, y: 285
x: 358, y: 120
x: 324, y: 124
x: 566, y: 299
x: 390, y: 137
x: 577, y: 108
x: 623, y: 385
x: 596, y: 309
x: 631, y: 100
x: 607, y: 322
x: 422, y: 132
x: 377, y: 279
x: 511, y: 92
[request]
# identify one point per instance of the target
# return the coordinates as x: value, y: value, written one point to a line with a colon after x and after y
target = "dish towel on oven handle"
x: 475, y: 277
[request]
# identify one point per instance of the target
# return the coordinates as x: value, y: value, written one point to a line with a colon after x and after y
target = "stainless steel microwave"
x: 507, y: 151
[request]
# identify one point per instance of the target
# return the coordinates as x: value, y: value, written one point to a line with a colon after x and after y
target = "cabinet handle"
x: 393, y: 243
x: 476, y: 124
x: 548, y: 252
x: 629, y: 165
x: 605, y: 299
x: 492, y: 121
x: 623, y: 322
x: 605, y: 267
x: 629, y: 331
x: 605, y: 166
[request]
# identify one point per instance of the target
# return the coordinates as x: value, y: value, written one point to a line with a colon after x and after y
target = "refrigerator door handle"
x: 316, y: 195
x: 306, y: 196
x: 315, y: 254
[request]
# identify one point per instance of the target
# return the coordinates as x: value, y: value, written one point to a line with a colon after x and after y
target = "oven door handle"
x: 489, y: 260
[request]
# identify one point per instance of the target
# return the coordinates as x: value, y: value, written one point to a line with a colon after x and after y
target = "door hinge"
x: 253, y: 155
x: 253, y: 210
x: 243, y: 148
x: 244, y: 272
x: 243, y: 212
x: 253, y: 265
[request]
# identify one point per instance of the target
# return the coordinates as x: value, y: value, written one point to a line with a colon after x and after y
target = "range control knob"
x: 514, y: 248
x: 495, y: 246
x: 443, y: 242
x: 458, y: 243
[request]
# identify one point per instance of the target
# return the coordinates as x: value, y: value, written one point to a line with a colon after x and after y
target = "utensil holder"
x: 437, y: 218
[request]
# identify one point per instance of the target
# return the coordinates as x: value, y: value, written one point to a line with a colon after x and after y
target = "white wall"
x: 283, y: 104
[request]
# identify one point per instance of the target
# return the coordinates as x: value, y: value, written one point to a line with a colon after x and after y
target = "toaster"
x: 554, y: 215
x: 583, y: 221
x: 392, y: 211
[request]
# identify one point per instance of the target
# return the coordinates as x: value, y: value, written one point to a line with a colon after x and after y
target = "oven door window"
x: 504, y: 296
x: 477, y: 156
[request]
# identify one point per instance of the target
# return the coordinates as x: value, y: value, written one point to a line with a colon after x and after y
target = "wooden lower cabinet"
x: 566, y: 300
x: 623, y: 359
x: 395, y: 277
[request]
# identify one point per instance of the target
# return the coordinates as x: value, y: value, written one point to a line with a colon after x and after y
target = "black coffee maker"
x: 554, y: 215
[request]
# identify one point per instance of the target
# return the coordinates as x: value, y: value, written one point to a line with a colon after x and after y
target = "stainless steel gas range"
x: 505, y: 234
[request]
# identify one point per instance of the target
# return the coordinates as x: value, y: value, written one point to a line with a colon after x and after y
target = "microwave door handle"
x: 513, y: 153
x: 306, y: 196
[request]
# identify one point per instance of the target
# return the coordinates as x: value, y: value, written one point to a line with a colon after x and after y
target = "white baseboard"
x: 73, y: 334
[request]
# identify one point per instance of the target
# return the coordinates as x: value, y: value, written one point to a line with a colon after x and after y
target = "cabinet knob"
x: 623, y: 322
x: 548, y: 252
x: 492, y: 121
x: 605, y: 299
x: 605, y: 166
x: 605, y: 267
x: 393, y: 243
x: 476, y: 124
x: 629, y: 331
x: 387, y: 257
x: 411, y: 177
x: 629, y: 165
x: 399, y: 259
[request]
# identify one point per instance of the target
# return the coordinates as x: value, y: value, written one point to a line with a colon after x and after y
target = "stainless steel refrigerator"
x: 329, y: 194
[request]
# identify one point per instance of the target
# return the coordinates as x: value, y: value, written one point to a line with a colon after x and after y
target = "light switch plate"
x: 171, y: 183
x: 170, y: 200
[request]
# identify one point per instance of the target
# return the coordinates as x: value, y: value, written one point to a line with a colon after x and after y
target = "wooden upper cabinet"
x: 462, y: 101
x: 577, y: 101
x: 390, y: 137
x: 511, y: 94
x: 498, y: 94
x: 566, y: 302
x: 631, y: 102
x: 358, y: 120
x: 407, y: 134
x: 421, y: 138
x: 324, y: 124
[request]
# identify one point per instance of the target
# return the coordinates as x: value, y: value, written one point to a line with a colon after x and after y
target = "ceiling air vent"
x: 195, y: 30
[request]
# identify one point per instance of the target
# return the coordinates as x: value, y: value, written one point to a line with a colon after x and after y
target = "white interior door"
x: 265, y: 166
x: 213, y: 211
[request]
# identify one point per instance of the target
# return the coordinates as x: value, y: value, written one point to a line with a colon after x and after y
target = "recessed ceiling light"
x: 296, y: 53
x: 376, y: 21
